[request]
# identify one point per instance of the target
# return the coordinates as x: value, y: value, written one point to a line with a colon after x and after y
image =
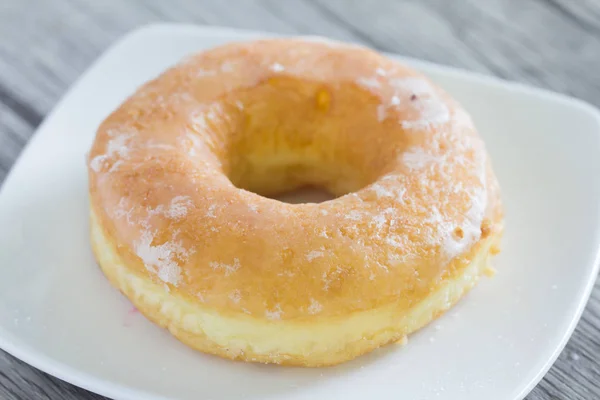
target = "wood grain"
x: 555, y: 44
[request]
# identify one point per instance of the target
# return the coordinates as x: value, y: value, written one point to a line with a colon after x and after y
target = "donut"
x: 183, y: 173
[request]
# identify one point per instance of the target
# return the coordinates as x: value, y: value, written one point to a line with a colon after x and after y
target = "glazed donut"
x: 181, y: 221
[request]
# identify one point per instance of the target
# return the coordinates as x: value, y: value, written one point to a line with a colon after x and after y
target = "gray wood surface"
x: 46, y: 45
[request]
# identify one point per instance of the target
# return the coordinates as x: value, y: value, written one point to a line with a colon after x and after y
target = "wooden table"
x: 46, y: 45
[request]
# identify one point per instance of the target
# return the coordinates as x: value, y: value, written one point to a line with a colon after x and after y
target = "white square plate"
x: 58, y: 312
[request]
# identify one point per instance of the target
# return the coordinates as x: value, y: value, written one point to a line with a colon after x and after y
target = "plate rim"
x: 113, y: 390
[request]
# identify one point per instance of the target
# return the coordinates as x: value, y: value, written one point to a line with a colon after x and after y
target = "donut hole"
x: 306, y: 194
x: 294, y: 134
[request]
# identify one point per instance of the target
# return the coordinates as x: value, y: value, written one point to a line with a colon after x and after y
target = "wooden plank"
x: 20, y: 381
x: 554, y: 44
x: 14, y: 132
